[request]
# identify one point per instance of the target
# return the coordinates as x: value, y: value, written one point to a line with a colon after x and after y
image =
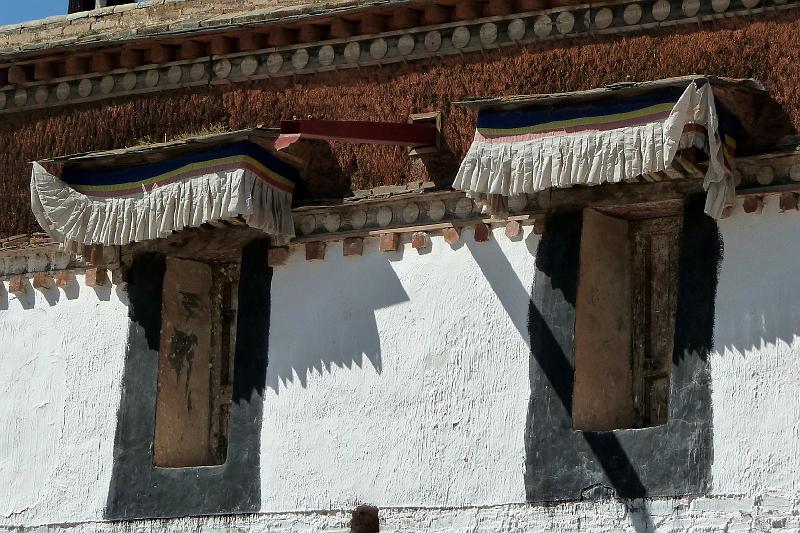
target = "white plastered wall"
x: 756, y: 364
x: 399, y: 378
x: 402, y: 380
x: 61, y: 359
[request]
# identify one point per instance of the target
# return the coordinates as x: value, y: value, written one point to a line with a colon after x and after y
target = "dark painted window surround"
x: 561, y: 463
x: 668, y: 460
x: 140, y: 490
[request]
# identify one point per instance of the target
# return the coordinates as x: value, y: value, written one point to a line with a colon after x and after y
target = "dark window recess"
x: 75, y: 6
x: 625, y: 321
x: 195, y: 367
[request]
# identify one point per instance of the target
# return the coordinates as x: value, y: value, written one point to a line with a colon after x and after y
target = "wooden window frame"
x: 625, y: 320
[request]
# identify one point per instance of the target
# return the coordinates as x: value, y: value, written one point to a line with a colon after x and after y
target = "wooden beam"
x: 315, y: 251
x: 222, y: 45
x: 398, y: 134
x: 250, y: 41
x: 17, y: 75
x: 435, y: 14
x: 615, y: 194
x: 102, y: 62
x: 788, y: 201
x: 403, y: 18
x: 373, y: 23
x: 96, y: 277
x: 389, y: 242
x: 161, y: 53
x: 64, y: 278
x: 482, y: 232
x: 753, y: 204
x: 498, y: 8
x: 44, y: 71
x: 420, y: 240
x: 18, y: 284
x: 42, y: 281
x: 451, y: 235
x: 192, y: 49
x: 75, y: 65
x: 513, y: 229
x: 342, y: 29
x: 310, y: 33
x: 467, y: 10
x: 532, y: 5
x: 281, y: 37
x: 353, y: 246
x: 130, y: 58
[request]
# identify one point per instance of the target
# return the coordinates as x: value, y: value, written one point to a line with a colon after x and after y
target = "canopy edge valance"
x: 117, y: 205
x: 526, y: 150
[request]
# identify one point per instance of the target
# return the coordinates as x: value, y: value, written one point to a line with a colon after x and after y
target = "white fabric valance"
x: 530, y: 150
x: 120, y: 206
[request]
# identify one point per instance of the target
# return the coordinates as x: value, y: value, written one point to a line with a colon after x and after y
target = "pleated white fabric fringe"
x: 592, y: 158
x: 74, y: 218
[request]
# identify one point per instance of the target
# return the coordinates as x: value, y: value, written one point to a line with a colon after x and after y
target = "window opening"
x: 195, y: 367
x: 625, y: 321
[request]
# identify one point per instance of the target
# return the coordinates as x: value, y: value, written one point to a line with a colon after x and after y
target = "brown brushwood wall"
x: 766, y: 48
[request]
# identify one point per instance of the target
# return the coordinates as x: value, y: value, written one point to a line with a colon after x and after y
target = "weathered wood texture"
x: 764, y: 48
x: 195, y: 364
x: 602, y: 398
x: 654, y: 266
x: 625, y: 321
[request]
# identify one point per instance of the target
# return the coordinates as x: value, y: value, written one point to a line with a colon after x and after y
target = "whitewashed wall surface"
x: 402, y: 380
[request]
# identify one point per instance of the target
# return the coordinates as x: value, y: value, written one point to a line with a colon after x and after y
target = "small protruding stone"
x: 353, y: 246
x: 96, y: 277
x: 315, y: 251
x: 451, y: 235
x: 18, y: 284
x: 389, y: 242
x: 789, y: 201
x: 277, y: 257
x: 64, y: 278
x: 42, y: 281
x: 482, y: 232
x: 419, y: 240
x: 513, y: 229
x: 753, y: 204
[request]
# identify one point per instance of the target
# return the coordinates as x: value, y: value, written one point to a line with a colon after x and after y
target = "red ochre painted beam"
x: 394, y: 133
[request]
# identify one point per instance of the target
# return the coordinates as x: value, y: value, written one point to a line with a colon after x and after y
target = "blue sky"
x: 14, y: 11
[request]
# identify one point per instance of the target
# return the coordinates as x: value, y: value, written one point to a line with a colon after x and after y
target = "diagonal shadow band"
x: 565, y: 464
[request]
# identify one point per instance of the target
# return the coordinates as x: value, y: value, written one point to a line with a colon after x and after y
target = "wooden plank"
x: 281, y: 36
x: 617, y: 194
x: 654, y: 265
x: 130, y: 58
x: 192, y: 49
x: 183, y: 417
x: 372, y: 23
x: 602, y: 397
x: 342, y: 29
x: 17, y: 75
x: 435, y: 14
x: 467, y: 10
x: 404, y: 17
